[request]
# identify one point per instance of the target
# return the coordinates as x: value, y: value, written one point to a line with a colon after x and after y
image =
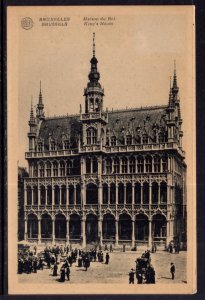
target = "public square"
x: 117, y: 270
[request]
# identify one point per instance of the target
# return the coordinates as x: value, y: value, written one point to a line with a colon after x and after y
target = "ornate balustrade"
x: 51, y: 153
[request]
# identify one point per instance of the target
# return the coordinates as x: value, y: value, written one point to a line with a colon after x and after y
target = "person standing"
x: 62, y: 278
x: 68, y: 272
x: 172, y: 270
x: 107, y: 257
x: 131, y: 276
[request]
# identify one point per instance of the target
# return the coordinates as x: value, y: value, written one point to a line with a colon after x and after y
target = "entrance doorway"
x: 91, y: 228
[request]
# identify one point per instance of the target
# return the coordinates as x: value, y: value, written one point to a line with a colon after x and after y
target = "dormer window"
x: 113, y: 141
x: 145, y: 139
x: 91, y: 136
x: 40, y: 147
x: 66, y: 145
x: 162, y: 138
x: 129, y: 140
x: 53, y: 146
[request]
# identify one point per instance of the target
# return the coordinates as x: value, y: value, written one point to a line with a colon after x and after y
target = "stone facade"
x: 103, y: 176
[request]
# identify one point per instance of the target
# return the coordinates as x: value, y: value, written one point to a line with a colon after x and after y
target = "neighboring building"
x: 103, y: 176
x: 22, y: 173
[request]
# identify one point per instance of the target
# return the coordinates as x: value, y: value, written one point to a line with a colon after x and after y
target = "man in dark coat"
x: 172, y: 270
x: 68, y: 273
x: 107, y: 257
x: 131, y: 276
x: 55, y: 269
x: 62, y: 278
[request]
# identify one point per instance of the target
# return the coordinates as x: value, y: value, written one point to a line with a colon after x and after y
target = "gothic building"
x: 102, y: 176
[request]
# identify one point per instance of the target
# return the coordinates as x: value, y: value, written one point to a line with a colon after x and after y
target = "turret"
x: 40, y: 107
x: 32, y: 132
x: 93, y: 92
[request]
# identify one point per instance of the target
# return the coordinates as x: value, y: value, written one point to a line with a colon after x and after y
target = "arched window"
x: 95, y: 165
x: 145, y: 139
x: 116, y: 166
x: 41, y: 169
x: 108, y: 166
x: 91, y: 104
x: 48, y: 169
x: 35, y: 170
x: 156, y: 164
x: 62, y: 168
x: 148, y: 164
x: 55, y: 168
x: 163, y: 192
x: 40, y: 147
x: 124, y: 165
x: 88, y: 165
x: 105, y: 193
x: 69, y: 166
x: 113, y: 140
x: 140, y: 164
x: 129, y: 139
x: 164, y: 164
x: 91, y: 136
x: 52, y: 146
x: 132, y: 165
x: 76, y: 166
x: 66, y: 145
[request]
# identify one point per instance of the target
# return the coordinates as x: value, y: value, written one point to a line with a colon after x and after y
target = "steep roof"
x: 135, y: 121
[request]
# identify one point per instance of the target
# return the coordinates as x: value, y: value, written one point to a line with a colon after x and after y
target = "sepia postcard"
x: 101, y: 150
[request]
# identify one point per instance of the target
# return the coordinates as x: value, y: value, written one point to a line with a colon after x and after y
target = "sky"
x: 136, y: 59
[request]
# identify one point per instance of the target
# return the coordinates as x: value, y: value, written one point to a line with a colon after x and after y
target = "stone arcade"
x: 102, y: 176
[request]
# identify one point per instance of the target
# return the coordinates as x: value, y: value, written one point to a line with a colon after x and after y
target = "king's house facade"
x: 104, y: 176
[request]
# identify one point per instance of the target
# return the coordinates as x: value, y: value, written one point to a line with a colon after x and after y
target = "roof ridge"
x: 61, y: 116
x: 137, y: 108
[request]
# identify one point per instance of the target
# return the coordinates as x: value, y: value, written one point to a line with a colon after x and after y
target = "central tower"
x: 93, y: 119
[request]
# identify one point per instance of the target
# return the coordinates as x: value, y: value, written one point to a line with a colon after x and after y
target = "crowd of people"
x: 59, y: 258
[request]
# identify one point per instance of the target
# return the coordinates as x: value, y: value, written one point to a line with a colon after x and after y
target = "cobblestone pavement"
x: 117, y: 270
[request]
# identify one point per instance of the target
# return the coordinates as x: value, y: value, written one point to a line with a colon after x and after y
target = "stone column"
x: 133, y: 232
x: 141, y: 193
x: 74, y: 194
x: 67, y: 195
x: 99, y: 167
x: 60, y: 191
x: 116, y: 233
x: 133, y: 195
x: 53, y: 231
x: 46, y: 196
x: 150, y: 195
x: 100, y: 195
x: 116, y: 194
x: 108, y: 187
x: 150, y: 234
x: 100, y: 230
x: 83, y: 235
x: 32, y: 196
x: 25, y: 196
x: 39, y: 231
x: 53, y: 195
x: 39, y: 196
x: 67, y: 230
x: 25, y: 229
x: 159, y: 194
x: 125, y: 198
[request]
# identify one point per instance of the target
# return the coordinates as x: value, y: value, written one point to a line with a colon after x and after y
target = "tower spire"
x: 175, y: 88
x: 93, y: 44
x: 40, y: 96
x: 31, y: 112
x: 170, y: 91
